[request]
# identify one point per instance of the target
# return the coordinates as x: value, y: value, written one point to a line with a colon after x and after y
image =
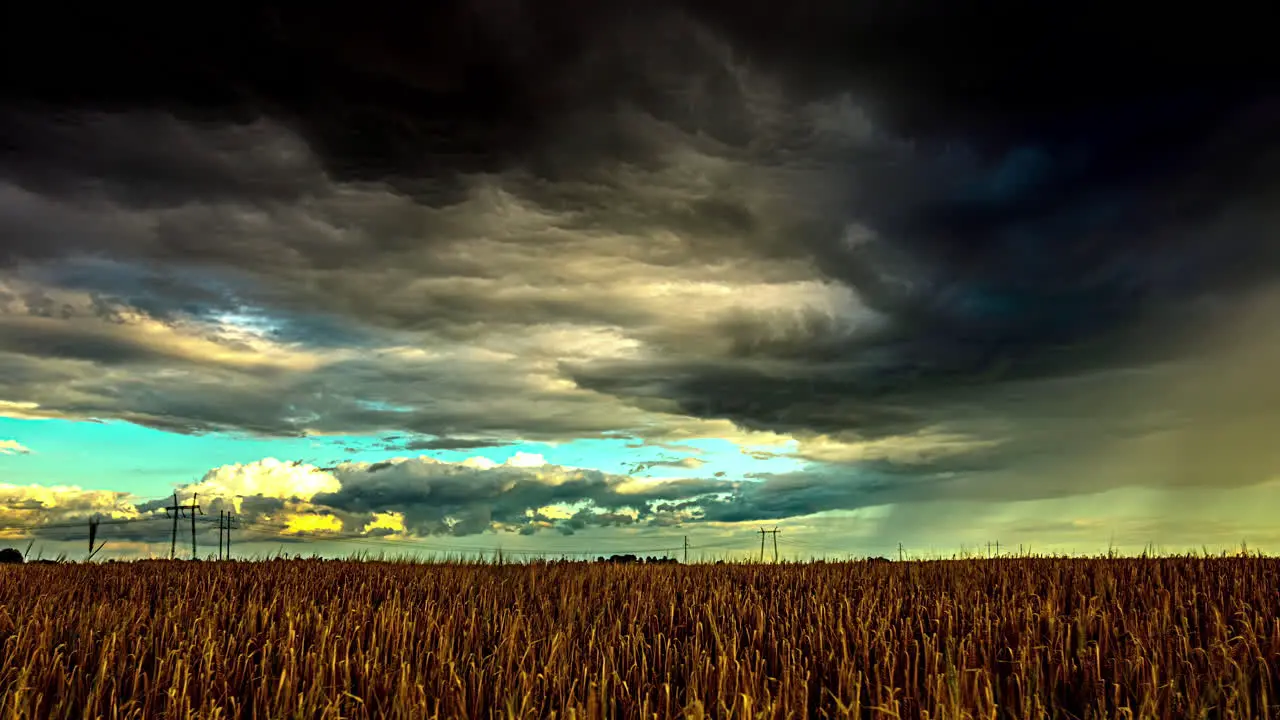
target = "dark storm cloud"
x: 1019, y: 201
x: 147, y: 160
x: 447, y: 443
x: 443, y: 498
x: 440, y: 397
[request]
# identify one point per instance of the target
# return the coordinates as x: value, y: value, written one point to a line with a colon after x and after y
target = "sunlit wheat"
x: 1017, y: 638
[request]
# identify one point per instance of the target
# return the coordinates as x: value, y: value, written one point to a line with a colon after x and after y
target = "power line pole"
x: 173, y: 542
x: 686, y: 549
x: 899, y: 552
x: 178, y: 511
x: 764, y: 532
x: 194, y: 507
x: 224, y: 534
x: 93, y: 536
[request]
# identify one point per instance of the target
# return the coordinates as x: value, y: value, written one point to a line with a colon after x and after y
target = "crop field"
x: 1016, y: 638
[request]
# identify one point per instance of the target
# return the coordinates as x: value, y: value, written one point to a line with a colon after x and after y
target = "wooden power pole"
x: 178, y: 510
x: 686, y: 549
x: 94, y: 546
x: 175, y: 509
x: 194, y: 507
x: 224, y: 534
x: 773, y: 532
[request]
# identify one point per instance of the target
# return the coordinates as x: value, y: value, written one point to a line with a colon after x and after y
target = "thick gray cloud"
x: 402, y: 499
x: 439, y: 497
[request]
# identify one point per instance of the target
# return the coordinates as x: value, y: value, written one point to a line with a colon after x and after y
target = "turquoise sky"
x: 149, y: 463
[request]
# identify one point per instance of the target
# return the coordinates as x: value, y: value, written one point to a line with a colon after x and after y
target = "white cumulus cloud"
x: 13, y: 447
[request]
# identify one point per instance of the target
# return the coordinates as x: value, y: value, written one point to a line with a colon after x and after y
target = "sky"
x: 577, y: 277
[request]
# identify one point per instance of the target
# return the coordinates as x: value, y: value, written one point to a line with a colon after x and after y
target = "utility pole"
x: 93, y: 536
x: 195, y: 508
x: 686, y: 549
x: 177, y: 511
x: 764, y: 532
x: 224, y: 531
x: 899, y: 552
x: 173, y: 542
x: 988, y: 549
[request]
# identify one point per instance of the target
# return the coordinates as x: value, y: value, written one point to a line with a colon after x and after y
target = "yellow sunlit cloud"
x: 313, y: 524
x: 393, y: 521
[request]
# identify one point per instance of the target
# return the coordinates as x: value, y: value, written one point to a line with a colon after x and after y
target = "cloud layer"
x: 531, y: 508
x: 1010, y: 278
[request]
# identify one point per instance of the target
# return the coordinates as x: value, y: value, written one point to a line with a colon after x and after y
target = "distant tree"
x: 10, y: 556
x: 660, y: 561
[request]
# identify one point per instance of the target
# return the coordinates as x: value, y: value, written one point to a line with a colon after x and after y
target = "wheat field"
x: 1010, y: 638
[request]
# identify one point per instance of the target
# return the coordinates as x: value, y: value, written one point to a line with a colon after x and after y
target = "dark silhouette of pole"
x: 173, y: 541
x: 224, y: 534
x: 764, y: 532
x: 94, y: 547
x: 178, y: 511
x: 195, y: 508
x: 686, y: 549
